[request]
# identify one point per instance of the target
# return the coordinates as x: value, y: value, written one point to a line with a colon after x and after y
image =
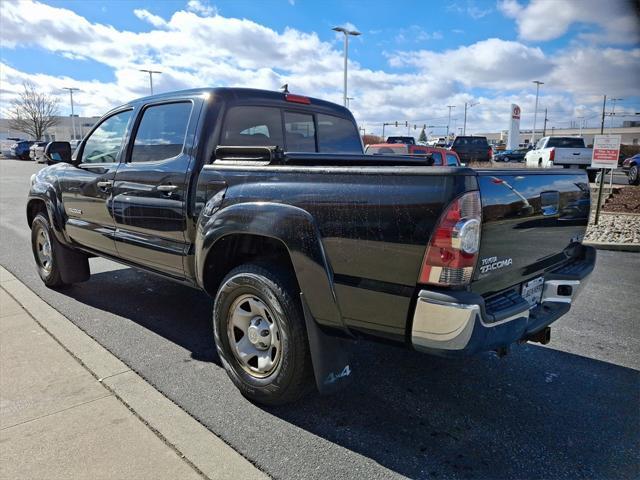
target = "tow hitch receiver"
x: 543, y: 336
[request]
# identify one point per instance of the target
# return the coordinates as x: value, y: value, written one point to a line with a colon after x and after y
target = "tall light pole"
x: 73, y: 120
x: 348, y: 105
x: 613, y: 109
x: 449, y: 121
x: 346, y: 32
x: 535, y: 110
x: 150, y: 72
x: 466, y: 106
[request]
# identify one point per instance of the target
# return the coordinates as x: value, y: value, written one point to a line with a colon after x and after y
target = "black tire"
x: 592, y: 175
x: 276, y: 289
x: 634, y: 175
x: 49, y: 273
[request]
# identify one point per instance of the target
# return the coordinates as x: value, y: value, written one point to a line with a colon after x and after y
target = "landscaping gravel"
x: 614, y: 228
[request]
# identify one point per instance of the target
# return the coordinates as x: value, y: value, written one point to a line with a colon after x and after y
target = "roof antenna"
x: 285, y: 88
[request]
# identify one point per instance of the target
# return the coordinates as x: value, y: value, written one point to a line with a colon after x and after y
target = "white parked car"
x: 567, y: 152
x: 36, y: 152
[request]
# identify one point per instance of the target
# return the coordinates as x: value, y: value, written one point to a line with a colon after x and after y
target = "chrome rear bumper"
x: 460, y: 322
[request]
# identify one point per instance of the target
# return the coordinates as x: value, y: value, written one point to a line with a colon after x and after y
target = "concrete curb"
x: 619, y: 247
x: 197, y: 445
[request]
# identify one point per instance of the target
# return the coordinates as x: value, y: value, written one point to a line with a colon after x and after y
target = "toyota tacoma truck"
x: 565, y: 152
x: 267, y: 202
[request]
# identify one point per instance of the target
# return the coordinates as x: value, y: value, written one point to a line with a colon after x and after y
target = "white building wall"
x: 63, y: 131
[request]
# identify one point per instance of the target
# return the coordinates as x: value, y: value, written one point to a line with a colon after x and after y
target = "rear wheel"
x: 593, y: 175
x: 44, y: 252
x: 634, y: 175
x: 261, y: 336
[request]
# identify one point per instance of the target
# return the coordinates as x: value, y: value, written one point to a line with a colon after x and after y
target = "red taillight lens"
x: 552, y: 154
x: 453, y: 249
x: 490, y: 152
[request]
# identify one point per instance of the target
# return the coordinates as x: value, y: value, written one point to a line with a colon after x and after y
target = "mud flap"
x: 74, y: 266
x: 330, y: 356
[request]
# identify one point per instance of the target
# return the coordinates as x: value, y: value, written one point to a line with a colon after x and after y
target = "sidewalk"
x: 69, y: 409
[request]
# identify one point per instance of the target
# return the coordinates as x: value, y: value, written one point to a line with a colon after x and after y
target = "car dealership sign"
x: 513, y: 138
x: 606, y: 149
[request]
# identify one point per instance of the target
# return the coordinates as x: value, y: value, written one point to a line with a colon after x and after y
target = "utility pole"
x: 346, y: 32
x: 150, y: 72
x: 449, y: 121
x: 604, y: 106
x: 466, y: 106
x: 73, y: 120
x: 544, y: 129
x: 613, y: 110
x: 535, y: 111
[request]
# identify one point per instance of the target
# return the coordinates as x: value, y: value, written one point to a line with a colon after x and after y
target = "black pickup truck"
x: 266, y: 201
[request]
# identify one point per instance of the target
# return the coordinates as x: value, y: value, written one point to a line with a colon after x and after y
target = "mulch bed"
x: 624, y: 200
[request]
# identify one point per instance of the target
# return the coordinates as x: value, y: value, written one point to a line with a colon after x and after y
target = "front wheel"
x: 260, y: 334
x: 634, y: 176
x: 44, y: 252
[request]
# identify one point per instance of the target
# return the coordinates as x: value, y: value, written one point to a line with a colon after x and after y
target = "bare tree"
x: 33, y: 112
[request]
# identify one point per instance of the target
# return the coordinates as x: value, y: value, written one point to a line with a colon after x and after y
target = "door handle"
x: 105, y: 184
x: 166, y: 188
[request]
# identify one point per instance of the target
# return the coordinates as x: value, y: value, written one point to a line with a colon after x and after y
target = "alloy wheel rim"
x: 43, y: 250
x: 254, y: 336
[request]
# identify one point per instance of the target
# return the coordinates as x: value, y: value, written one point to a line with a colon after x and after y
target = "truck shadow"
x: 538, y: 413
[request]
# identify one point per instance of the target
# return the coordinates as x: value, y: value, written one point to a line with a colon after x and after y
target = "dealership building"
x: 630, y: 135
x: 62, y: 131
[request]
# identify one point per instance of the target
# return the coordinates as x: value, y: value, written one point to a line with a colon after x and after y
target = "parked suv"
x: 472, y: 148
x: 21, y: 149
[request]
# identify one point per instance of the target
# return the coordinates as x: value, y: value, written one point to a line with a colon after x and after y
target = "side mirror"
x: 58, y: 152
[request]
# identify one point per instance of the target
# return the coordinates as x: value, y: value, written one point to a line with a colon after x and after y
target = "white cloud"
x: 542, y: 20
x: 147, y: 16
x: 202, y: 8
x: 470, y: 8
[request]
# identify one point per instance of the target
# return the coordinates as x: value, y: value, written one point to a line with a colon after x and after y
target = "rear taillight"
x: 490, y: 152
x: 552, y: 155
x: 453, y: 249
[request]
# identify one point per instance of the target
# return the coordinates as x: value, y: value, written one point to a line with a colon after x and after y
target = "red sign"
x: 516, y: 112
x: 606, y: 149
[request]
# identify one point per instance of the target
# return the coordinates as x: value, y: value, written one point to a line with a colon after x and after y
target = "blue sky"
x: 412, y: 59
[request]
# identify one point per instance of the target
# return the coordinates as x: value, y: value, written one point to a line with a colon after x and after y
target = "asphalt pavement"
x: 563, y: 411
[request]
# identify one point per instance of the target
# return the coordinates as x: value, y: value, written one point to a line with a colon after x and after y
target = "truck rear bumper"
x: 462, y: 323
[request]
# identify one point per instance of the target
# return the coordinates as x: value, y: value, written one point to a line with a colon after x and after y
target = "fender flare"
x: 297, y: 230
x: 47, y: 194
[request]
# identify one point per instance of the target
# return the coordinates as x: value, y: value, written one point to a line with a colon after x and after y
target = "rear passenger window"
x: 252, y: 127
x: 437, y: 158
x: 337, y: 135
x: 161, y: 132
x: 300, y: 132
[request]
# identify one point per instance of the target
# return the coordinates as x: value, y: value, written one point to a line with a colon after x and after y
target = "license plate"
x: 532, y: 291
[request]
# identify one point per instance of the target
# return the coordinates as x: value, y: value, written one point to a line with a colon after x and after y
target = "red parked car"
x: 441, y: 156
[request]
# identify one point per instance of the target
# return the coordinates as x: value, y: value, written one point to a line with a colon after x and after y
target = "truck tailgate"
x: 572, y: 156
x: 530, y: 219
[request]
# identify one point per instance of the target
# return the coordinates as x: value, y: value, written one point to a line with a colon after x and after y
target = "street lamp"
x: 346, y: 33
x: 73, y: 120
x: 466, y: 106
x: 449, y: 121
x: 150, y: 72
x: 349, y: 101
x: 535, y: 111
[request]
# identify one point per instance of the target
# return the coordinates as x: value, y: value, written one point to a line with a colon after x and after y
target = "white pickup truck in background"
x: 567, y: 152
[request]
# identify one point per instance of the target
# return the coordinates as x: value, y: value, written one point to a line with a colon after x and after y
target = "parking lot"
x: 563, y: 411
